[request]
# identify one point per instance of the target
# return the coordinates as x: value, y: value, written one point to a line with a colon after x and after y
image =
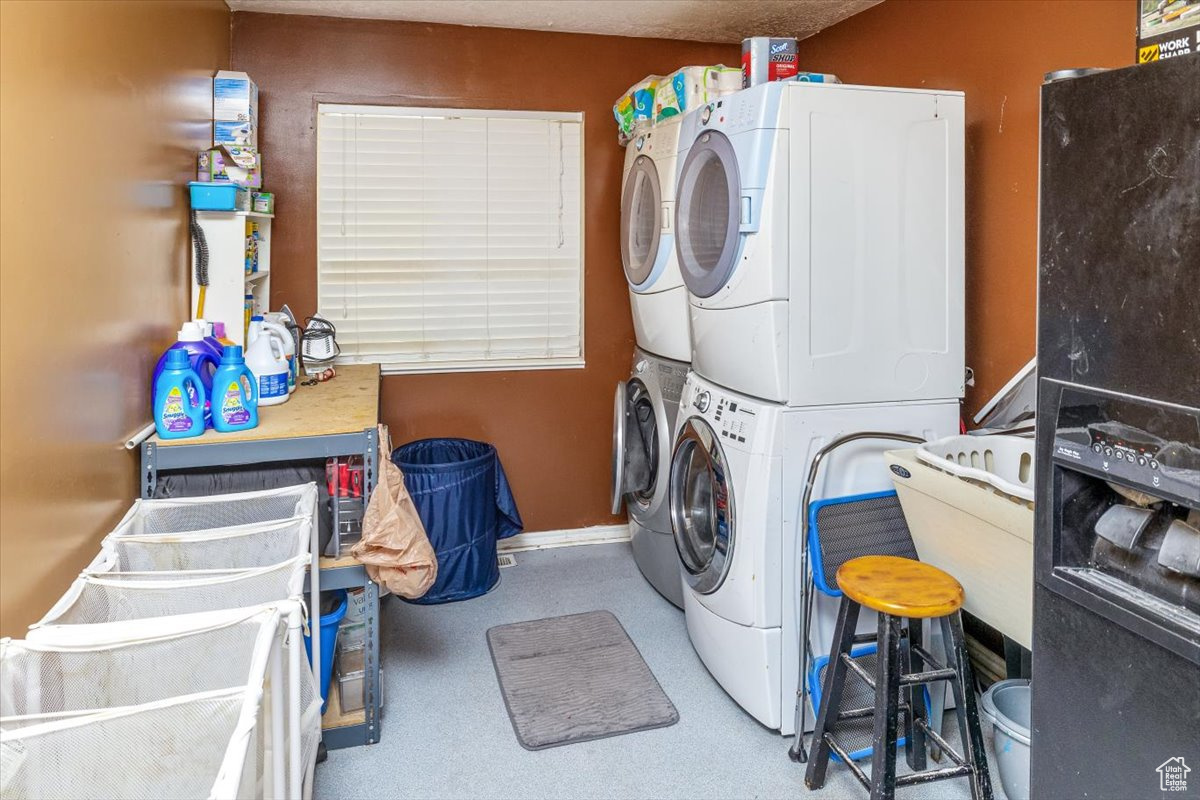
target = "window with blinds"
x: 450, y: 239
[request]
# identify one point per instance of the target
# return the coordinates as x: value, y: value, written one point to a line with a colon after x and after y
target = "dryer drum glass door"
x: 701, y: 499
x: 635, y: 445
x: 707, y: 214
x: 641, y: 224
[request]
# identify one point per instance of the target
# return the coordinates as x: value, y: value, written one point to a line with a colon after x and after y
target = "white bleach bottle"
x: 267, y: 361
x: 284, y: 337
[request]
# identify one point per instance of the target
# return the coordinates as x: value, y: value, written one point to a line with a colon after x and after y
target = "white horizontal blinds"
x: 449, y: 241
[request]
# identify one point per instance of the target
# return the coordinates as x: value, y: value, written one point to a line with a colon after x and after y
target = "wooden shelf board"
x: 334, y: 717
x: 347, y: 404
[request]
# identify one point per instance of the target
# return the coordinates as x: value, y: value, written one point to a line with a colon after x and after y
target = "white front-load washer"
x: 644, y: 415
x: 738, y: 470
x: 819, y: 231
x: 656, y: 293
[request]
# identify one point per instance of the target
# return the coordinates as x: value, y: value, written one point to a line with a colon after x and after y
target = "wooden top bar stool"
x: 902, y: 591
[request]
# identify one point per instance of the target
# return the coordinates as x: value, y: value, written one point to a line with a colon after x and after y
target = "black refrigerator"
x: 1116, y: 643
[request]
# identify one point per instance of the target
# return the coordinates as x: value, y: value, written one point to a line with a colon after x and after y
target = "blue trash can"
x: 329, y: 630
x: 463, y: 498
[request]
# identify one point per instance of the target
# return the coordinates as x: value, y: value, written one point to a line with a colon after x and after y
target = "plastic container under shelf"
x: 963, y: 523
x: 351, y: 673
x: 353, y: 634
x: 1002, y: 462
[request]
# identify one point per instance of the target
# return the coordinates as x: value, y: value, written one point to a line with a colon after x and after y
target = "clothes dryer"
x: 656, y: 293
x: 819, y: 232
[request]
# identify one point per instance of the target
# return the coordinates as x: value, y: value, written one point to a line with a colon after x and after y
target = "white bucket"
x: 1007, y: 705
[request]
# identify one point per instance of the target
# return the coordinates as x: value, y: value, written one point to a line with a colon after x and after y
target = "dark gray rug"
x: 575, y: 678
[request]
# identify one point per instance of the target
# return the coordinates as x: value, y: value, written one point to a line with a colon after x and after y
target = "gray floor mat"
x: 575, y: 678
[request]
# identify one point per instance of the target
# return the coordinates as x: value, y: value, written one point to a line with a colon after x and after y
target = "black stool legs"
x: 967, y: 711
x: 903, y: 668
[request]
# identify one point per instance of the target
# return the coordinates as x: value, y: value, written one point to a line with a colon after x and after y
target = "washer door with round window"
x: 643, y: 250
x: 708, y: 214
x: 636, y: 449
x: 702, y: 508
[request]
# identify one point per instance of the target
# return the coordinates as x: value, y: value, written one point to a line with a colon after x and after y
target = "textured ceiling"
x: 694, y: 20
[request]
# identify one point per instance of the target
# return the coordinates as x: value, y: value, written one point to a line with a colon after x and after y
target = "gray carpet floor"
x: 446, y: 733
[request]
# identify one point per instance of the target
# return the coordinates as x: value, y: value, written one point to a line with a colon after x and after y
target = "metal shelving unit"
x: 259, y: 446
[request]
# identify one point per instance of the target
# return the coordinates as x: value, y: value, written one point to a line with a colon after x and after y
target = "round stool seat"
x: 900, y: 586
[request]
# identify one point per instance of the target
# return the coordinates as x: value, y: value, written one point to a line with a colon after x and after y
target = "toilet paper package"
x: 635, y: 108
x: 689, y: 87
x: 721, y: 80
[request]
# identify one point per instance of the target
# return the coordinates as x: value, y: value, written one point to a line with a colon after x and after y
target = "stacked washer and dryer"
x: 818, y: 235
x: 646, y: 405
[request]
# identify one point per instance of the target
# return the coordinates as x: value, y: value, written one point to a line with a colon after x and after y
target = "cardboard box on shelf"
x: 230, y: 164
x: 235, y: 97
x: 242, y: 134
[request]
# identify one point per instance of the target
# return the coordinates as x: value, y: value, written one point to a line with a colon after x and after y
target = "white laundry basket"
x: 195, y: 746
x: 239, y: 547
x: 186, y: 514
x: 968, y: 504
x: 121, y: 596
x: 212, y: 535
x: 66, y: 671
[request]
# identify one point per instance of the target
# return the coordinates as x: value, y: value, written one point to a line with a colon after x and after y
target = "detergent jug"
x: 203, y: 356
x: 266, y: 359
x: 235, y: 399
x: 219, y: 335
x: 179, y: 398
x: 284, y: 337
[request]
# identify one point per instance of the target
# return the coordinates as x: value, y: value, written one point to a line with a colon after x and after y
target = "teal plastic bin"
x: 329, y: 629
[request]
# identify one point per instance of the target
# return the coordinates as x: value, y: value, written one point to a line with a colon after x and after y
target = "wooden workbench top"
x: 347, y: 404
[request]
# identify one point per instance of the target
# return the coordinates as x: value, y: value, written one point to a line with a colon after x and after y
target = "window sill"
x: 443, y: 368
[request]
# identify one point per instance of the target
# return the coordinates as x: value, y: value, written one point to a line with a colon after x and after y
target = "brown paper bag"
x: 394, y: 547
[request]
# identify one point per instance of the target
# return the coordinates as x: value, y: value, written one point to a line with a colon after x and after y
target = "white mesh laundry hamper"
x: 259, y: 544
x: 184, y: 514
x: 121, y: 596
x: 69, y: 671
x: 204, y: 516
x: 195, y: 746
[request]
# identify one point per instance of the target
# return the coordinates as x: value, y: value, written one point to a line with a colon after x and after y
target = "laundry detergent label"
x: 273, y: 385
x: 174, y: 416
x: 233, y: 407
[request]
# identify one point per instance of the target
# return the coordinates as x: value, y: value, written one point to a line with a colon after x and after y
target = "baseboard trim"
x: 541, y: 540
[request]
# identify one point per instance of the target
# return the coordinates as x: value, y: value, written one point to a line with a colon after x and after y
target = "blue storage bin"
x: 213, y: 196
x: 329, y: 629
x: 463, y: 498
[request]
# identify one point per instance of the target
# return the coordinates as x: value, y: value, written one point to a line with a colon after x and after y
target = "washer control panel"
x: 735, y: 421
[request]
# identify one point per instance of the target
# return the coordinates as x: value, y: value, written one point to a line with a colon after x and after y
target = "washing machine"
x: 819, y: 232
x: 738, y: 469
x: 644, y: 416
x: 657, y: 295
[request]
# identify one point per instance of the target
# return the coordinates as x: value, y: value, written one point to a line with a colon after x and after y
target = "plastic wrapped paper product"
x: 720, y: 80
x: 635, y: 107
x: 690, y: 87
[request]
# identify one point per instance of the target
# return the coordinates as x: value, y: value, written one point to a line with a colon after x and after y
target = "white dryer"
x: 819, y: 231
x: 737, y: 475
x: 656, y: 292
x: 644, y: 416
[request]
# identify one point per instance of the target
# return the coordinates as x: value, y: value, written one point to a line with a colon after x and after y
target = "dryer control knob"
x: 702, y: 400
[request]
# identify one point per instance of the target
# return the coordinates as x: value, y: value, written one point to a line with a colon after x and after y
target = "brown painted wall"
x: 553, y: 428
x: 997, y: 52
x: 102, y: 108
